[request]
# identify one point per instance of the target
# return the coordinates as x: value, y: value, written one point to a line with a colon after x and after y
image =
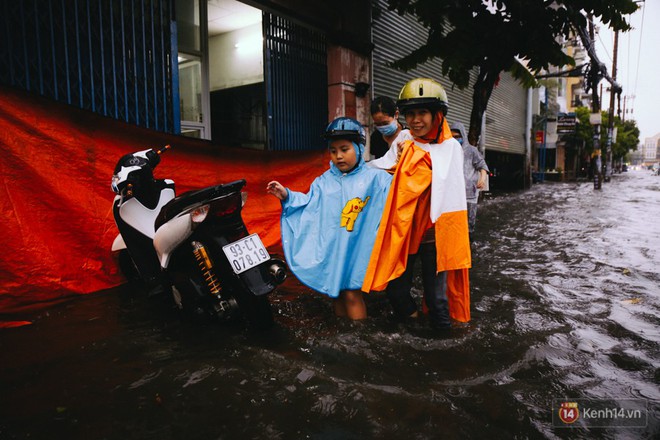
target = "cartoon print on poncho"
x: 328, y: 233
x: 350, y: 212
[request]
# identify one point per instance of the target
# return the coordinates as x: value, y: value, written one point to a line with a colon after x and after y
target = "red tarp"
x: 56, y: 203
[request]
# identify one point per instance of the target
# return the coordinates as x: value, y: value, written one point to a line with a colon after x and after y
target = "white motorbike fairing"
x: 118, y: 244
x: 141, y: 218
x: 170, y: 235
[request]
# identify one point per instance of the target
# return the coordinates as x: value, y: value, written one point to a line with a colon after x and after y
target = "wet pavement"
x: 565, y: 301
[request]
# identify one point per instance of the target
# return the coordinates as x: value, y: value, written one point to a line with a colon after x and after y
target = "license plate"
x: 246, y: 253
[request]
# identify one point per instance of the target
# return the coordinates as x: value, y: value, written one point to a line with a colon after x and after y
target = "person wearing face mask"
x: 425, y: 217
x: 386, y: 120
x: 475, y: 171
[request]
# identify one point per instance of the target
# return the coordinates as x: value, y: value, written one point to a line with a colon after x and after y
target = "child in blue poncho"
x: 328, y: 233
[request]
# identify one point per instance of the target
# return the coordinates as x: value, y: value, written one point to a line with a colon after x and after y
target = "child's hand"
x: 275, y: 188
x: 399, y: 150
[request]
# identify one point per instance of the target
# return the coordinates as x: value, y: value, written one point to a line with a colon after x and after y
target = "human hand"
x: 275, y: 188
x: 481, y: 183
x: 399, y: 150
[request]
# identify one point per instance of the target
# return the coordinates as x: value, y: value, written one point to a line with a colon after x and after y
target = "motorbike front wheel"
x: 127, y: 266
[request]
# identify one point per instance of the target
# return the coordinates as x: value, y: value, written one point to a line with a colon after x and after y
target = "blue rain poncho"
x: 328, y: 233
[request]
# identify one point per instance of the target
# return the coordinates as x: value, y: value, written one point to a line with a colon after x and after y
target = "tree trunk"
x: 482, y: 89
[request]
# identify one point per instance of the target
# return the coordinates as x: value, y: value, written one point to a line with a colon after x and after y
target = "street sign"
x: 539, y: 136
x: 566, y: 123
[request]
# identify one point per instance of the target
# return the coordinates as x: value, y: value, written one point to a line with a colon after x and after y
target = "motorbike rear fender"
x: 258, y: 279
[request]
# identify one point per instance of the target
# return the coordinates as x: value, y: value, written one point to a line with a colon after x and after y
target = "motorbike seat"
x: 197, y: 197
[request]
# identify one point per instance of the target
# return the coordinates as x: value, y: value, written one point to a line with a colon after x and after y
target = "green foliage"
x: 627, y: 133
x: 491, y: 36
x: 627, y: 138
x: 584, y: 130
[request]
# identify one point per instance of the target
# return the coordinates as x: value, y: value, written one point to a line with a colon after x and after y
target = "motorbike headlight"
x: 114, y: 184
x: 199, y: 214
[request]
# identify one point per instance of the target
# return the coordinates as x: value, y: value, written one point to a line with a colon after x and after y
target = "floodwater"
x: 565, y: 301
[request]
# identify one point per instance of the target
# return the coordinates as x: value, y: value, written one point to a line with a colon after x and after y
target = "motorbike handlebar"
x: 164, y: 149
x: 154, y: 155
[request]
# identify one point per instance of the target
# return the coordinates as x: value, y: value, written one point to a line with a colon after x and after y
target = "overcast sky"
x: 638, y: 67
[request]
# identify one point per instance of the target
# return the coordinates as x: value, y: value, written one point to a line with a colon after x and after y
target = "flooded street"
x: 565, y: 305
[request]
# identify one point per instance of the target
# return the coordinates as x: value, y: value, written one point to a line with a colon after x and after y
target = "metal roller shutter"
x: 395, y: 36
x: 505, y: 117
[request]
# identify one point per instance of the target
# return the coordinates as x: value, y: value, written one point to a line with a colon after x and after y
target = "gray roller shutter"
x: 505, y: 117
x: 395, y: 36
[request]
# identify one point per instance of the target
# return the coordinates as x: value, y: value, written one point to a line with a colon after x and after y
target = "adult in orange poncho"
x: 426, y: 213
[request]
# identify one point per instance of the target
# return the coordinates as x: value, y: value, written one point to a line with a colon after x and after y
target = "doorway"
x: 250, y: 78
x: 236, y: 74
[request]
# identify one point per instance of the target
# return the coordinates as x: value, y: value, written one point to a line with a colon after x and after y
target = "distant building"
x: 557, y: 153
x: 651, y: 150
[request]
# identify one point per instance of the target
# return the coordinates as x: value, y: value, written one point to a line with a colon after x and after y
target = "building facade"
x: 263, y: 74
x: 557, y: 153
x: 651, y: 151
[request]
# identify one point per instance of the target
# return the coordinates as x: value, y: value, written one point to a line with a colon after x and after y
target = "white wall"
x: 232, y: 66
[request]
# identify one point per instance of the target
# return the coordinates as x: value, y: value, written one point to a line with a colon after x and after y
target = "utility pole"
x: 627, y: 106
x: 594, y: 78
x: 607, y: 172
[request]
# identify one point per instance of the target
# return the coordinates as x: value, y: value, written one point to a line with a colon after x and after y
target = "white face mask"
x: 389, y: 129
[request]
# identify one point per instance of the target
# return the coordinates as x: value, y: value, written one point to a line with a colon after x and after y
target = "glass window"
x: 187, y: 21
x: 190, y: 88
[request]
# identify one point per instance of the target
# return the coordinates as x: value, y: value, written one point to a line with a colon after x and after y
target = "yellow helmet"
x: 423, y: 93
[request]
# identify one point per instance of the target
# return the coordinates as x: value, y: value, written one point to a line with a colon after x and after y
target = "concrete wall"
x: 236, y: 58
x: 346, y: 68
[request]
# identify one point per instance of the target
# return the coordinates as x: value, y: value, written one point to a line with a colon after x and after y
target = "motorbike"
x: 194, y: 247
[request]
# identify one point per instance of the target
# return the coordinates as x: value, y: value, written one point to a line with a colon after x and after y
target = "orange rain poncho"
x: 407, y: 216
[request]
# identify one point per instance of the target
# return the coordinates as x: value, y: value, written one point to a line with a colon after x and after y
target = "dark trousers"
x: 435, y: 289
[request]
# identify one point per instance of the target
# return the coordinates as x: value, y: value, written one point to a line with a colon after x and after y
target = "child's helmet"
x: 345, y: 128
x: 423, y: 93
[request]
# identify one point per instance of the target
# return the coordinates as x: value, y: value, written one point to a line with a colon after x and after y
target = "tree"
x: 494, y: 35
x: 627, y: 137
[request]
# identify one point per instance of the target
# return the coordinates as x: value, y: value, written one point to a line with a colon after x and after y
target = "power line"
x: 604, y: 48
x: 628, y: 61
x: 639, y: 49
